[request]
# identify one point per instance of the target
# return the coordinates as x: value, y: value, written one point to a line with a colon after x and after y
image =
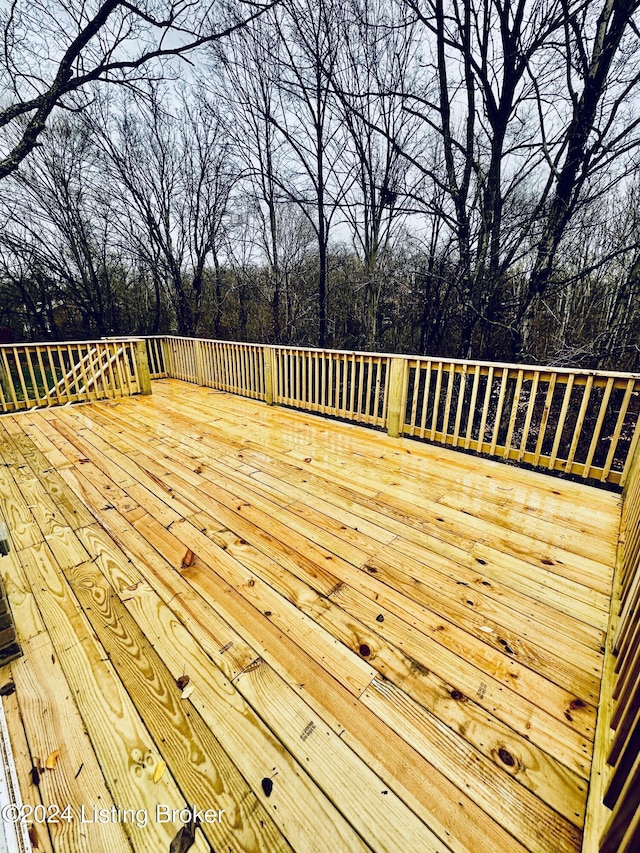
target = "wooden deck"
x: 330, y: 639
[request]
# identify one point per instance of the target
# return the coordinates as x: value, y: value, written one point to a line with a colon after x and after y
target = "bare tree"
x: 527, y: 111
x: 52, y: 49
x: 209, y: 175
x: 249, y: 90
x: 55, y: 221
x: 377, y: 51
x: 172, y: 177
x: 306, y: 120
x: 602, y: 57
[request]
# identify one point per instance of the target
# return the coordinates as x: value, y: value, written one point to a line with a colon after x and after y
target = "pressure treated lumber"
x: 288, y: 535
x: 382, y: 619
x: 30, y: 794
x: 125, y: 750
x: 54, y: 727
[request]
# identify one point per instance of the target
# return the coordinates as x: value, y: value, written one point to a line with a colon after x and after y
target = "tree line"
x: 456, y: 179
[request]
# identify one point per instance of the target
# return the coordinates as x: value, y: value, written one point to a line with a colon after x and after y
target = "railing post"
x: 142, y: 367
x: 397, y: 396
x: 199, y: 370
x: 268, y: 375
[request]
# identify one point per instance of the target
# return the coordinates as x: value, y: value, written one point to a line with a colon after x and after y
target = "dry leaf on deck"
x: 188, y: 559
x: 161, y: 766
x: 185, y: 838
x: 52, y: 759
x: 182, y: 681
x: 33, y: 837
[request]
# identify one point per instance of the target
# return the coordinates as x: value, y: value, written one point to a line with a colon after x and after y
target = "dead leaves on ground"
x: 188, y: 559
x: 52, y: 759
x: 37, y: 769
x: 184, y: 838
x: 158, y: 773
x: 183, y: 684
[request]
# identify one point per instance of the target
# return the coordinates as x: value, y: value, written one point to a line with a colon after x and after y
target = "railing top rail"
x: 24, y: 344
x: 206, y: 340
x: 528, y: 368
x: 435, y: 359
x: 274, y: 346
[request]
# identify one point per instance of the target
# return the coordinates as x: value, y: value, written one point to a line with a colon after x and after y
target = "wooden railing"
x: 347, y: 385
x: 613, y: 813
x: 50, y: 374
x: 579, y: 422
x: 156, y: 350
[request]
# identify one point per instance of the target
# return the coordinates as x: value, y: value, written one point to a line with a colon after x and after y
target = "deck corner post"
x: 199, y: 370
x: 397, y: 394
x: 142, y: 367
x: 268, y: 375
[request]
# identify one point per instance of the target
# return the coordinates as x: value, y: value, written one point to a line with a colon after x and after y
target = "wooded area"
x: 424, y: 176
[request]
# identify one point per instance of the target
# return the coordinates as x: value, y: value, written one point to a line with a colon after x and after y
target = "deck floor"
x: 329, y: 639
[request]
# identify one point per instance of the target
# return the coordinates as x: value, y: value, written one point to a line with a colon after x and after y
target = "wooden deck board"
x: 403, y: 641
x: 54, y: 725
x: 124, y: 748
x: 30, y: 794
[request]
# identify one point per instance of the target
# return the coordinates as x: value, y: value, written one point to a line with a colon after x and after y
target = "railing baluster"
x: 560, y: 426
x: 352, y: 398
x: 382, y: 419
x: 618, y: 429
x: 122, y: 362
x: 631, y: 453
x: 472, y: 406
x: 545, y: 418
x: 447, y: 404
x: 514, y: 413
x: 4, y: 386
x: 498, y: 416
x: 461, y: 391
x: 533, y: 391
x: 32, y: 376
x: 579, y: 424
x: 8, y: 378
x: 414, y: 401
x: 485, y: 409
x: 16, y: 356
x: 425, y: 396
x: 371, y: 405
x: 436, y: 403
x: 54, y: 375
x: 111, y: 353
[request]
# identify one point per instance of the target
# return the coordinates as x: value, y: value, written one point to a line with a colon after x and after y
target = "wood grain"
x: 361, y: 614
